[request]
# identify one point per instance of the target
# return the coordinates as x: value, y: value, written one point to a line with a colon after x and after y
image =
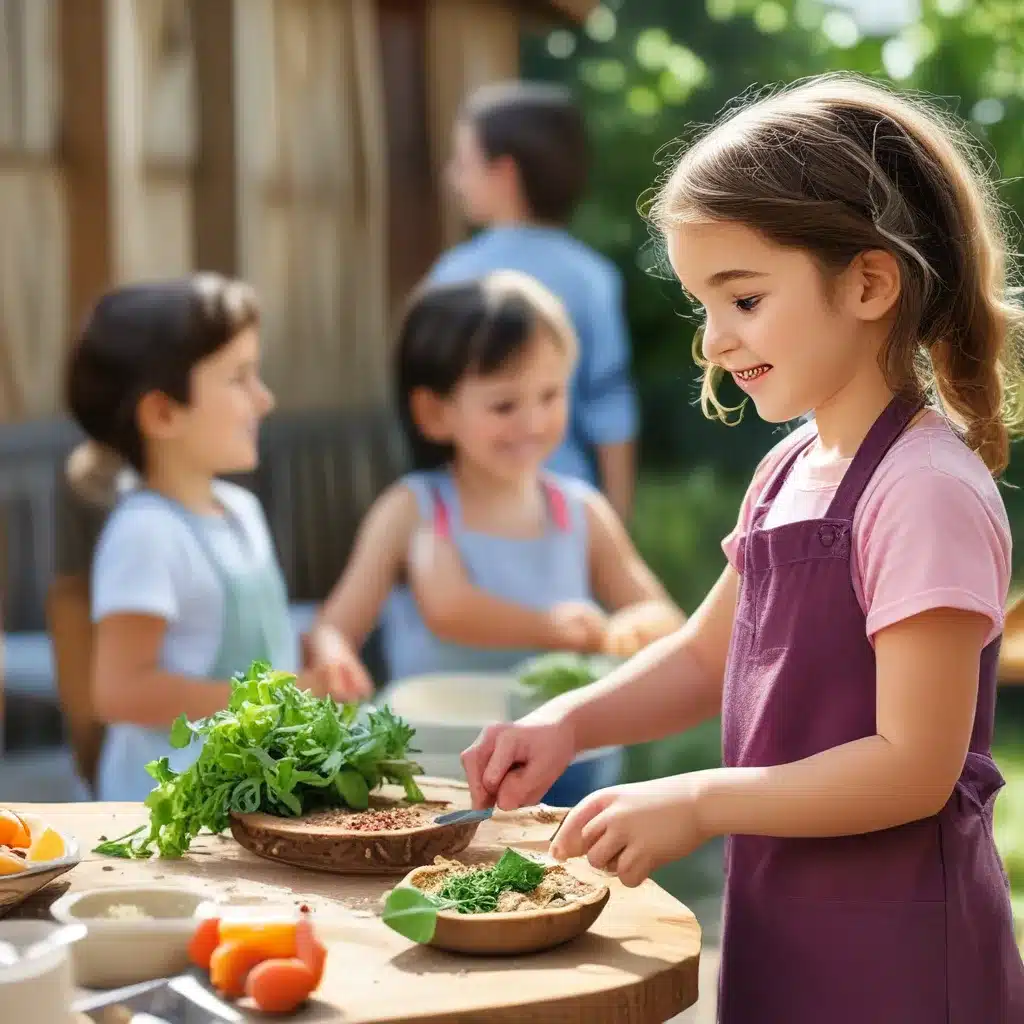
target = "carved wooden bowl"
x: 332, y: 841
x: 514, y: 932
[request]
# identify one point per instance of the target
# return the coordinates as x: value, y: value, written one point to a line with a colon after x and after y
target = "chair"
x: 71, y: 635
x: 1011, y: 655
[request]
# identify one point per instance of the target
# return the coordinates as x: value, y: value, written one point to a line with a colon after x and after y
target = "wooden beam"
x: 215, y: 195
x: 83, y: 62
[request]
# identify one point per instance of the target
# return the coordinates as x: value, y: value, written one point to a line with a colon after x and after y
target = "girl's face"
x: 508, y: 423
x: 790, y: 339
x: 218, y: 431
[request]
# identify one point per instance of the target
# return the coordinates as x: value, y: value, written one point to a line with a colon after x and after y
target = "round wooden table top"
x: 638, y: 963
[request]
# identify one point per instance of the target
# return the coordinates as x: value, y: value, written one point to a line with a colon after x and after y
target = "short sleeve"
x: 133, y: 568
x: 930, y: 540
x: 607, y: 404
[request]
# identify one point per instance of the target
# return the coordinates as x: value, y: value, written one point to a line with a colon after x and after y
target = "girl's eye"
x: 503, y: 408
x: 550, y: 395
x: 748, y: 305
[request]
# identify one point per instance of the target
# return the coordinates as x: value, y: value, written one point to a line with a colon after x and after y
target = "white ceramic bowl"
x: 448, y: 710
x: 17, y: 887
x: 119, y: 951
x: 40, y: 988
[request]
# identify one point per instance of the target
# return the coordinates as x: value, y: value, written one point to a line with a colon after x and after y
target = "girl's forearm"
x: 155, y: 699
x: 660, y: 691
x: 477, y: 619
x: 863, y: 786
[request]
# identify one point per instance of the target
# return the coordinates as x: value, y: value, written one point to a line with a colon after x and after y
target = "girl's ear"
x: 157, y: 416
x: 430, y: 414
x: 876, y: 284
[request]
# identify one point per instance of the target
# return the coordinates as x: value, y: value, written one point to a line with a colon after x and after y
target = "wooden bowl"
x: 314, y: 842
x: 515, y: 932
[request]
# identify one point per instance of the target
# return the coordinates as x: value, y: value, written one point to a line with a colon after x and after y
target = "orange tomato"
x: 230, y: 964
x: 204, y: 941
x: 309, y: 949
x: 280, y: 985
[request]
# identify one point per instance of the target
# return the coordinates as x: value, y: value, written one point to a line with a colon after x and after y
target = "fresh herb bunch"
x: 413, y: 913
x: 552, y: 674
x: 277, y: 749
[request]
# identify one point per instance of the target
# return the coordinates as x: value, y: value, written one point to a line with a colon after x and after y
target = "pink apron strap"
x: 442, y: 521
x: 558, y: 505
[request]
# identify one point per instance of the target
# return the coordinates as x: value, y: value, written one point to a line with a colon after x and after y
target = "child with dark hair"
x: 186, y: 589
x: 480, y: 557
x: 519, y: 168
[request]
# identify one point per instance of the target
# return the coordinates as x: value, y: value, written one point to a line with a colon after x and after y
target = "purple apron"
x: 911, y: 925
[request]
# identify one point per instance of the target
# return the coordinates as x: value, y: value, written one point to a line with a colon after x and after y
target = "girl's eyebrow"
x: 725, y: 276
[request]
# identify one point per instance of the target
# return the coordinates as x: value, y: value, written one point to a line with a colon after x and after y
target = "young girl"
x: 480, y: 558
x: 186, y: 589
x: 849, y: 263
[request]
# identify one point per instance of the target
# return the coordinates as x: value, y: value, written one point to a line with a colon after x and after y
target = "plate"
x: 16, y: 888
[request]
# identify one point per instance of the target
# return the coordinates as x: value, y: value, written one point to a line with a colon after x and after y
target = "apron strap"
x: 884, y: 433
x: 556, y: 500
x: 557, y: 505
x: 442, y: 518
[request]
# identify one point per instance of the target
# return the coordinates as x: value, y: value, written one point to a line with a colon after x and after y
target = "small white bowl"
x: 120, y: 951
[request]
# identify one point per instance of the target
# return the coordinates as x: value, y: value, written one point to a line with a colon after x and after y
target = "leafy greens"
x: 550, y: 675
x: 413, y: 913
x: 277, y: 749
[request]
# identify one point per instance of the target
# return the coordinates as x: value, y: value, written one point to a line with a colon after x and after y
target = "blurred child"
x: 519, y: 169
x: 481, y: 557
x: 847, y: 254
x: 186, y: 589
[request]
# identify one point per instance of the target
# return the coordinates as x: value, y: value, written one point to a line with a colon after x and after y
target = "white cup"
x: 39, y: 985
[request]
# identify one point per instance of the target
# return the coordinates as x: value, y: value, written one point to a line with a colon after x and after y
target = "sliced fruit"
x: 14, y: 830
x: 271, y: 938
x: 230, y: 965
x: 47, y: 845
x: 10, y: 863
x: 309, y: 949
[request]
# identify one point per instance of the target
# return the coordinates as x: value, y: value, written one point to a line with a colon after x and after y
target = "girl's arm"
x: 927, y: 689
x: 672, y: 685
x: 459, y: 612
x: 624, y: 584
x: 130, y: 686
x: 378, y: 555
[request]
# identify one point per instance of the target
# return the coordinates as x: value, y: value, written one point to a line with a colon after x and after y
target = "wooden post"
x: 82, y: 41
x: 215, y: 204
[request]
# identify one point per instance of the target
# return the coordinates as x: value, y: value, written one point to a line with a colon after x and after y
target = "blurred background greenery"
x: 648, y: 72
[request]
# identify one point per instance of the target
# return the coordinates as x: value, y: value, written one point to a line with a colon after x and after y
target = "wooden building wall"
x: 298, y: 143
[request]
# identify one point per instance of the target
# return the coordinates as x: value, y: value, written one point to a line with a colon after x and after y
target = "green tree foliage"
x: 650, y: 72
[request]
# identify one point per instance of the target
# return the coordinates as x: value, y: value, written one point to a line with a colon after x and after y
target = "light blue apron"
x: 538, y: 573
x: 257, y: 627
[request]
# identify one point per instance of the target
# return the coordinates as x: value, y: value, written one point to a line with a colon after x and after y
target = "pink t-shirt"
x: 930, y: 530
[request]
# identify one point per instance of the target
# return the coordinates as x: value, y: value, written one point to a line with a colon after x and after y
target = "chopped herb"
x: 550, y: 675
x: 413, y: 913
x: 276, y: 749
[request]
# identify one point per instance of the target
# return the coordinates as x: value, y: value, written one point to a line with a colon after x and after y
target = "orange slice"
x: 10, y: 864
x: 47, y: 845
x: 14, y: 831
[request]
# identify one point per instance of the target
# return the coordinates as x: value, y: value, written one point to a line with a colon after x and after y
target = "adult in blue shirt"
x: 518, y: 168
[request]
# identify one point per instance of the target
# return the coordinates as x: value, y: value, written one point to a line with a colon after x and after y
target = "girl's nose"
x: 265, y: 398
x: 715, y: 343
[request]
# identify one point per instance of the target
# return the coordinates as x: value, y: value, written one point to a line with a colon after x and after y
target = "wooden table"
x: 637, y: 964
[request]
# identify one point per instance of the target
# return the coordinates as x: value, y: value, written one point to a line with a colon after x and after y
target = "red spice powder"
x: 373, y: 820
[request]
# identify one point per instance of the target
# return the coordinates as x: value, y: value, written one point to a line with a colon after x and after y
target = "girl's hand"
x: 578, y: 626
x: 513, y: 764
x: 632, y: 628
x: 334, y: 668
x: 634, y: 829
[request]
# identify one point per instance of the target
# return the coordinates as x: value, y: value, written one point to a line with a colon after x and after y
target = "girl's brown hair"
x: 837, y: 165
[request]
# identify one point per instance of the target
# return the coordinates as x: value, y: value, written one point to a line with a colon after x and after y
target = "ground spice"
x: 372, y: 820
